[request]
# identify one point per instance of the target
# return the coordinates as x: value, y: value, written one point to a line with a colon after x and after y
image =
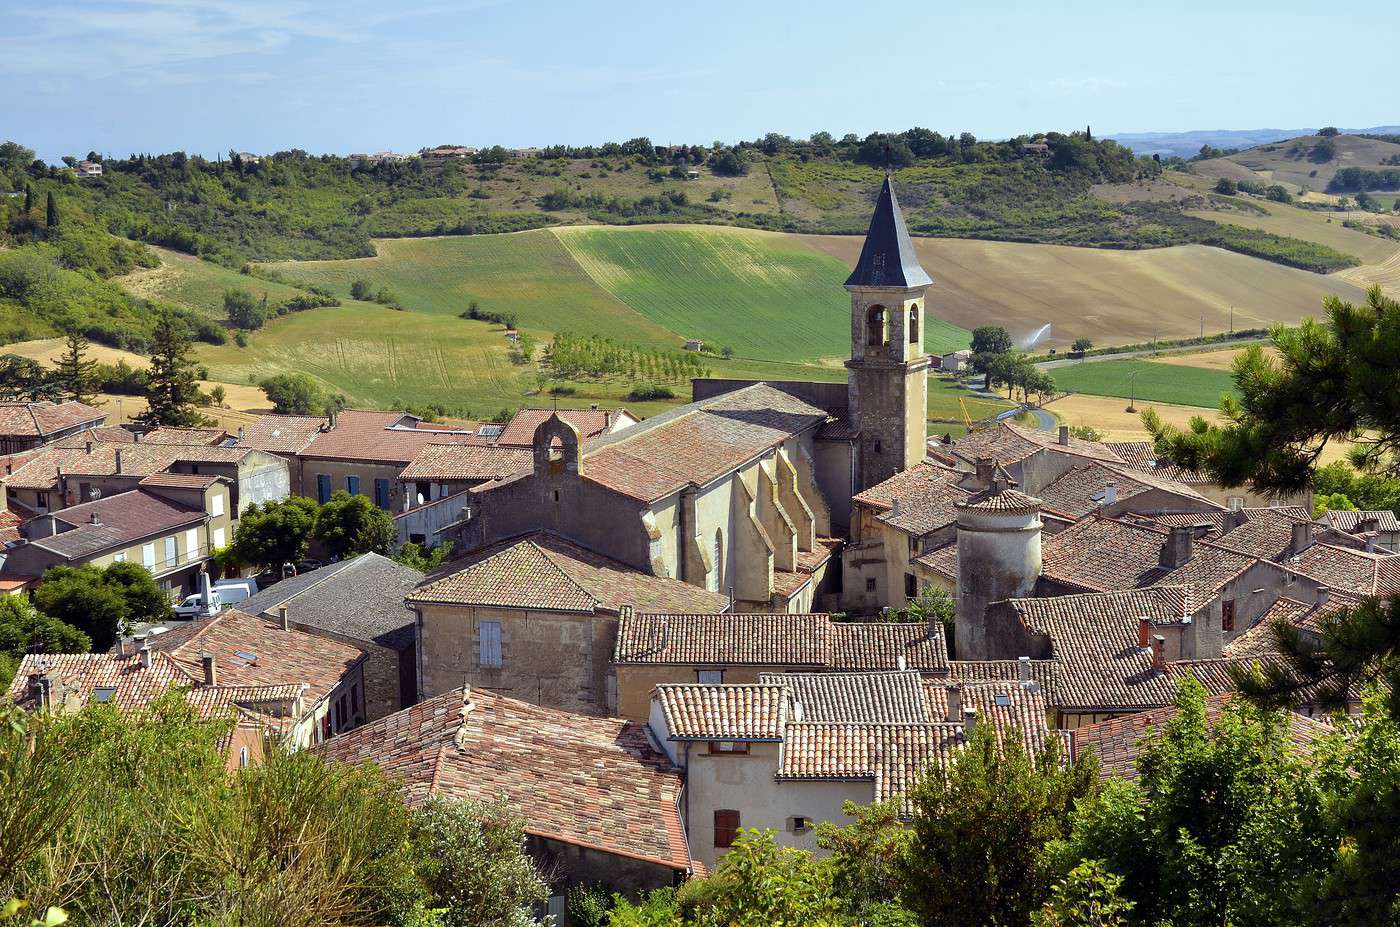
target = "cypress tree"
x: 28, y: 198
x: 51, y: 213
x: 76, y: 376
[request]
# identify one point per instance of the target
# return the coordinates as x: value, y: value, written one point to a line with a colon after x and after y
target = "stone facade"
x: 888, y: 380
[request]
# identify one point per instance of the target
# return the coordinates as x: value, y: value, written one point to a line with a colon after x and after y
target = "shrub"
x: 648, y: 392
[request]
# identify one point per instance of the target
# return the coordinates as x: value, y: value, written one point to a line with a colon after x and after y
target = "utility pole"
x: 1232, y: 319
x: 1203, y: 324
x: 1132, y: 392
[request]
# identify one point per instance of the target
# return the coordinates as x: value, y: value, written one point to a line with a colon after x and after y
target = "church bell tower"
x: 888, y: 380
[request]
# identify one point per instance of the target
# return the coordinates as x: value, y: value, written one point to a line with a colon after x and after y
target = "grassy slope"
x: 764, y: 294
x: 1325, y: 228
x: 1154, y: 382
x: 200, y: 285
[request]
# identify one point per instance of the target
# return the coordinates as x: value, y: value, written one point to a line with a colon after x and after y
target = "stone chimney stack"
x: 954, y: 704
x: 1144, y: 632
x: 286, y: 620
x: 1323, y: 595
x: 1023, y: 669
x: 1176, y: 550
x: 986, y: 472
x: 145, y: 654
x: 211, y: 669
x: 1064, y: 436
x: 93, y: 519
x: 1159, y: 652
x: 89, y: 447
x: 117, y: 458
x: 1110, y: 493
x: 1302, y: 538
x: 969, y: 720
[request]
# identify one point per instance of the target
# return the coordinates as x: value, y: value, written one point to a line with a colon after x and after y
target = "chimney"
x: 1023, y: 669
x: 1110, y: 492
x: 121, y: 645
x: 1323, y: 595
x: 286, y: 622
x: 894, y: 508
x: 1144, y: 632
x: 954, y: 704
x: 1064, y: 435
x: 118, y: 458
x: 986, y: 472
x: 240, y: 434
x: 969, y: 720
x: 93, y: 519
x: 1159, y: 658
x: 89, y: 447
x: 145, y: 655
x: 1176, y: 550
x: 1302, y: 538
x: 593, y: 406
x: 797, y: 713
x: 41, y: 690
x: 211, y: 670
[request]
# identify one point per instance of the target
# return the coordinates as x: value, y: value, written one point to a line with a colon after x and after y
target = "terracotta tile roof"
x: 836, y: 429
x: 110, y: 434
x: 180, y: 480
x: 41, y: 419
x: 383, y: 437
x: 278, y: 657
x: 1267, y: 535
x: 777, y: 639
x: 1119, y: 742
x: 1010, y: 444
x: 891, y: 756
x: 543, y: 570
x: 1350, y: 571
x: 1140, y: 455
x: 589, y: 782
x: 1003, y: 501
x: 888, y: 697
x: 467, y: 462
x: 281, y: 434
x: 137, y: 460
x: 787, y: 583
x: 942, y: 560
x: 520, y: 430
x: 1258, y: 639
x: 1011, y: 707
x: 123, y: 518
x: 361, y: 598
x: 1081, y: 489
x: 1348, y: 521
x: 978, y: 671
x: 723, y: 712
x: 696, y: 443
x: 183, y: 436
x: 918, y: 500
x: 1094, y: 642
x: 9, y: 527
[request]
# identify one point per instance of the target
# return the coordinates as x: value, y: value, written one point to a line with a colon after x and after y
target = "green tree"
x: 76, y: 376
x: 1226, y: 186
x: 758, y: 882
x: 23, y: 379
x: 349, y: 525
x: 28, y: 199
x: 1081, y: 345
x: 988, y: 343
x: 173, y: 391
x: 865, y: 856
x: 81, y: 598
x: 243, y: 310
x: 51, y: 213
x: 145, y: 600
x: 979, y: 825
x: 1223, y: 826
x: 474, y: 863
x: 1087, y: 897
x: 1329, y: 132
x: 424, y: 561
x: 293, y: 394
x: 25, y: 629
x: 362, y: 289
x: 1333, y: 502
x: 274, y: 533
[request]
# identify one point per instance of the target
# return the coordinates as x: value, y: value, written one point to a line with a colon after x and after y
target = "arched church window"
x: 876, y: 327
x: 914, y: 324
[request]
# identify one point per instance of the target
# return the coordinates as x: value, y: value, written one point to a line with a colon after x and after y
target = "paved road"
x: 1147, y: 352
x: 1044, y: 421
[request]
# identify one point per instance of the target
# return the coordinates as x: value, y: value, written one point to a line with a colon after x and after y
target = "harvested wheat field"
x: 1208, y: 360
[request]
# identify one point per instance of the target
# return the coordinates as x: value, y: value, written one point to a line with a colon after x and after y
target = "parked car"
x: 198, y: 605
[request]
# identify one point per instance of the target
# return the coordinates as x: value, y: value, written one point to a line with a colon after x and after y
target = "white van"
x: 233, y: 591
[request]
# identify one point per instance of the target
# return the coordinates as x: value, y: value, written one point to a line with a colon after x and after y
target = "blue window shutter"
x: 490, y: 643
x: 352, y: 485
x: 381, y: 493
x: 323, y: 488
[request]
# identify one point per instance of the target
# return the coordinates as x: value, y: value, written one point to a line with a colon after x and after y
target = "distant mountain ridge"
x: 1186, y: 144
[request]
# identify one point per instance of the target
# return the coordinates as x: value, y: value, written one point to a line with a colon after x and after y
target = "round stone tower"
x: 998, y: 558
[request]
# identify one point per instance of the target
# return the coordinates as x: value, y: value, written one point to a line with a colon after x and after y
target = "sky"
x: 208, y: 76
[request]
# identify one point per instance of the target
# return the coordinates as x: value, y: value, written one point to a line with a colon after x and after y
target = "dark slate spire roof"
x: 888, y: 258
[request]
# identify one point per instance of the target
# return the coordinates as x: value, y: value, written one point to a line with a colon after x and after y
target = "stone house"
x: 657, y: 649
x: 599, y: 803
x: 434, y: 486
x: 536, y: 618
x: 1031, y: 459
x: 359, y: 602
x: 170, y: 524
x: 1141, y: 455
x: 591, y: 423
x: 1381, y: 525
x: 25, y: 426
x: 283, y: 436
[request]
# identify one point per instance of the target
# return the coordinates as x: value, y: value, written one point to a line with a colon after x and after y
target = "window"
x: 148, y: 556
x: 914, y: 324
x: 216, y: 503
x: 352, y: 485
x: 876, y: 328
x: 1227, y: 614
x: 170, y: 556
x: 242, y: 757
x: 323, y: 488
x: 381, y: 493
x: 731, y: 747
x: 726, y: 828
x: 119, y: 557
x: 870, y: 584
x: 490, y: 632
x: 913, y: 546
x: 218, y: 537
x: 43, y: 500
x: 877, y: 445
x: 103, y: 693
x: 192, y: 543
x: 709, y: 677
x: 1236, y: 503
x: 911, y: 586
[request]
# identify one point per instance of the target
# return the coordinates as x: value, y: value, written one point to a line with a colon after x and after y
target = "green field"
x: 1147, y: 381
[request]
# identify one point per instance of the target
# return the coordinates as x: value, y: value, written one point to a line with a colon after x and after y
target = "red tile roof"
x: 1010, y: 444
x: 122, y: 518
x: 281, y: 434
x: 467, y: 462
x: 1350, y: 571
x: 41, y: 419
x: 1082, y: 489
x: 40, y: 471
x: 590, y: 782
x: 545, y: 571
x: 918, y: 500
x: 379, y: 437
x: 1141, y: 455
x: 520, y: 430
x: 720, y: 712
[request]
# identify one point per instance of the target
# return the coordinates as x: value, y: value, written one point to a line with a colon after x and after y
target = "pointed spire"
x: 888, y: 258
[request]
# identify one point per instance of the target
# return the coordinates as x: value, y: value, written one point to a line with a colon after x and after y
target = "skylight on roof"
x: 245, y: 655
x: 1002, y: 699
x: 103, y: 693
x: 491, y: 431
